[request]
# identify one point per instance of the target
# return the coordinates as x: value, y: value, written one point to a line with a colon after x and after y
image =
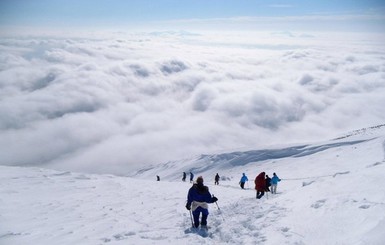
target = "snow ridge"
x: 205, y: 163
x: 365, y: 131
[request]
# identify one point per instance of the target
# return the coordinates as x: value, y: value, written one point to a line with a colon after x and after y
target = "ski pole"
x: 216, y: 203
x: 192, y: 223
x: 189, y: 210
x: 220, y: 212
x: 218, y: 206
x: 219, y: 209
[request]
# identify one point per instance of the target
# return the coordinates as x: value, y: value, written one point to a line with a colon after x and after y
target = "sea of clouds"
x: 109, y: 104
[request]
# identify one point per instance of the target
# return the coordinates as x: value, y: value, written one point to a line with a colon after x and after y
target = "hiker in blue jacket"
x: 274, y: 182
x: 243, y: 180
x: 197, y: 199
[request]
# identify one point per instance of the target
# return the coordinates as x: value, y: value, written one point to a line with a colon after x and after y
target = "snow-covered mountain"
x: 331, y: 193
x: 239, y: 161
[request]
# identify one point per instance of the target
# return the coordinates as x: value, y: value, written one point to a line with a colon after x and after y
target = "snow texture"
x: 330, y: 193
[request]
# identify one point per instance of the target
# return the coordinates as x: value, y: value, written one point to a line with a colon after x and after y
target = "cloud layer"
x: 114, y: 103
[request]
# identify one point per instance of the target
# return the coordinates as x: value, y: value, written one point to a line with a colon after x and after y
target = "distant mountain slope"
x: 375, y: 130
x: 238, y: 159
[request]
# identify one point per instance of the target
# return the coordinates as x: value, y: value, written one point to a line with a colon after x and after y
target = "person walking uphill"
x: 197, y: 199
x: 260, y: 185
x: 216, y: 179
x: 243, y: 180
x: 268, y: 183
x: 274, y: 183
x: 191, y: 177
x: 184, y: 176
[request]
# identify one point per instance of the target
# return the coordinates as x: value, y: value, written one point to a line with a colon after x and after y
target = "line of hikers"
x: 191, y: 177
x: 199, y: 196
x: 262, y: 182
x: 216, y: 182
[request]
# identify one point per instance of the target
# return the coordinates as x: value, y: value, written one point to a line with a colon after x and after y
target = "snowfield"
x: 331, y: 193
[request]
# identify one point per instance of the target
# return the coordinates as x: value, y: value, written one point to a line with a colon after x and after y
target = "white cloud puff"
x: 112, y: 104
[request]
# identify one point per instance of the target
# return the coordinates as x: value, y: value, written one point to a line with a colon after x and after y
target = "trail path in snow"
x: 48, y: 207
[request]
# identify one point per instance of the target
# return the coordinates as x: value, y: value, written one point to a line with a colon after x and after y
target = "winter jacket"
x: 244, y: 179
x: 217, y: 177
x: 268, y: 182
x: 275, y: 180
x: 260, y: 183
x: 199, y: 195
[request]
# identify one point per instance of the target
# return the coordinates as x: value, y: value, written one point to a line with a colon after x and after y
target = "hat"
x: 200, y: 179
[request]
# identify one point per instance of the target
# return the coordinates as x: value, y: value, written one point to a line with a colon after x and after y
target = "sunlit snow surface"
x: 333, y: 195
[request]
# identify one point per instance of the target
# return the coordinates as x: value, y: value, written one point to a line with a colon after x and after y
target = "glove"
x: 214, y: 199
x: 188, y: 207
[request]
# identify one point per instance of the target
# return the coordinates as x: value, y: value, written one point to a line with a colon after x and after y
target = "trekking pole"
x: 218, y: 206
x: 189, y: 210
x: 219, y: 209
x: 192, y: 223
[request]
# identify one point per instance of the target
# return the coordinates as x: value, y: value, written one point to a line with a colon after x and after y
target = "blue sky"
x: 164, y: 13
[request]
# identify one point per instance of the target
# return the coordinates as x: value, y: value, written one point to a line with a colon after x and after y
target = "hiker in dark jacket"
x: 260, y: 185
x: 184, y: 176
x: 216, y: 179
x: 191, y: 177
x: 197, y: 199
x: 268, y: 183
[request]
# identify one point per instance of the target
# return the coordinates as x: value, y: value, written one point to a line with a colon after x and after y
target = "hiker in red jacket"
x: 260, y: 185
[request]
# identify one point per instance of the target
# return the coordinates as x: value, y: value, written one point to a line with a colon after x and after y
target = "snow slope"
x: 330, y: 193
